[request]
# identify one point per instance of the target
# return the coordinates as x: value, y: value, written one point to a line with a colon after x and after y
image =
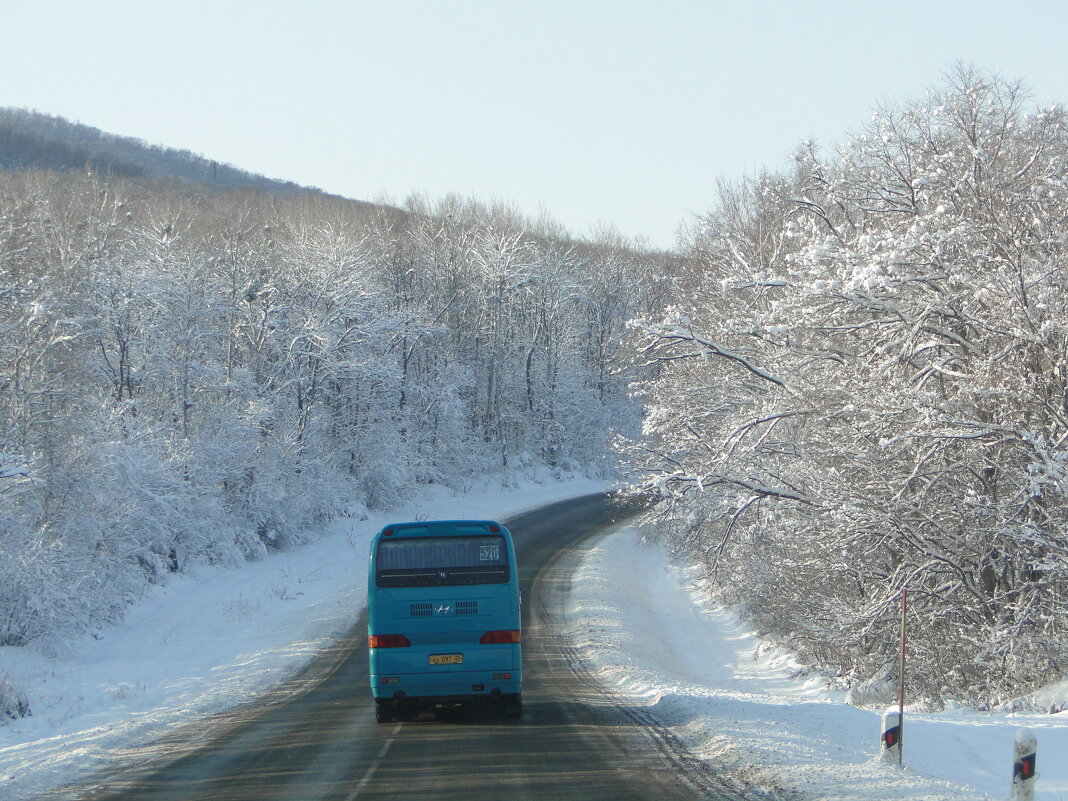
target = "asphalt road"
x: 316, y: 736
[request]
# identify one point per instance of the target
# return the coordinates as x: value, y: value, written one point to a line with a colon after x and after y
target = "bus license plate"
x: 446, y: 659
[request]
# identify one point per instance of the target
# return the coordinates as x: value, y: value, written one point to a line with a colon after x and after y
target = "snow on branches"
x: 911, y: 292
x: 194, y: 379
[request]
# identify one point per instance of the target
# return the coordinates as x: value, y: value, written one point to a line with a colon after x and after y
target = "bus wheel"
x: 383, y: 712
x: 514, y: 707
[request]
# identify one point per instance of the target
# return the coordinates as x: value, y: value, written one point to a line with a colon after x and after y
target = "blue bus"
x: 443, y: 609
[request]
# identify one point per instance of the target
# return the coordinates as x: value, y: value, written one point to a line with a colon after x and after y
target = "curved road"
x: 316, y: 736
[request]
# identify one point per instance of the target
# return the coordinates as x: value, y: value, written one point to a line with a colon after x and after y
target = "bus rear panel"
x: 443, y: 617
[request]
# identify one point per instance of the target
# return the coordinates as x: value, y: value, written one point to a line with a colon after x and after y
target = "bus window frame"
x: 502, y: 572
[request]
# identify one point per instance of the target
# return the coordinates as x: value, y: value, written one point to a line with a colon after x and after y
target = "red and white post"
x: 893, y: 723
x: 901, y: 679
x: 890, y: 750
x: 1023, y: 766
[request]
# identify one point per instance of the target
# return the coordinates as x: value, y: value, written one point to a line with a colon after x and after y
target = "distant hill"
x: 29, y: 139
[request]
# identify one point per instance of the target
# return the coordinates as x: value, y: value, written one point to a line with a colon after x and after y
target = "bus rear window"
x: 442, y: 561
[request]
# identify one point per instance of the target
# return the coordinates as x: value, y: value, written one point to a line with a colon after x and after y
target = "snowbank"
x: 649, y: 634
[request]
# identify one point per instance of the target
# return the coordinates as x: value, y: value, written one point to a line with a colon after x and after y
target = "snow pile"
x: 648, y: 633
x: 203, y: 643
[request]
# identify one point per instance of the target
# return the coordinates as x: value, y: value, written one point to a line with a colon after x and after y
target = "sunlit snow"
x: 208, y: 641
x: 649, y: 633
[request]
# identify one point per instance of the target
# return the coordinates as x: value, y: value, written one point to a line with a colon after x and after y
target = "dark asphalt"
x: 316, y: 736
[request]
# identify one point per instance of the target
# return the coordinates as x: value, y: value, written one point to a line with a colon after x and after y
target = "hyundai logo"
x: 444, y: 609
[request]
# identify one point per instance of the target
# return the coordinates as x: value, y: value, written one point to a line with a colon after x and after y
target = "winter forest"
x: 198, y: 378
x: 850, y: 378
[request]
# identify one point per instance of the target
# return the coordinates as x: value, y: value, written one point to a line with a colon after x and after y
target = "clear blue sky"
x: 621, y: 112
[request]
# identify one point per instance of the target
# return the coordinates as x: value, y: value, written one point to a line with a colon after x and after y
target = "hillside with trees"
x: 29, y: 139
x: 851, y: 380
x: 192, y: 376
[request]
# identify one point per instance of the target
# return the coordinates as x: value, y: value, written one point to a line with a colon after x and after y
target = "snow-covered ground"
x: 648, y: 633
x: 211, y: 640
x: 205, y: 642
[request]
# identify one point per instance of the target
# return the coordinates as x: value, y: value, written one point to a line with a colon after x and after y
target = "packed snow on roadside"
x: 649, y: 633
x: 205, y: 642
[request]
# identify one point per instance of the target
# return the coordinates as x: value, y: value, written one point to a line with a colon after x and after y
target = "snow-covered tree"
x: 190, y: 377
x: 867, y: 392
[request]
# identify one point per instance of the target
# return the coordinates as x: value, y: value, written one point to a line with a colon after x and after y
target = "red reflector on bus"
x: 387, y: 533
x: 387, y: 641
x: 495, y: 529
x: 499, y: 637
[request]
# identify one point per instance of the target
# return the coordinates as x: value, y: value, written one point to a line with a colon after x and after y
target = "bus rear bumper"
x: 436, y: 689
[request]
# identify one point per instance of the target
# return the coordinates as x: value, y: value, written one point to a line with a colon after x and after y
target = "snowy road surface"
x: 207, y: 642
x: 318, y: 740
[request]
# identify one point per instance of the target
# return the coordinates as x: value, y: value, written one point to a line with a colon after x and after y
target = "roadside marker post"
x: 901, y: 679
x: 893, y: 722
x: 1023, y: 766
x: 890, y: 750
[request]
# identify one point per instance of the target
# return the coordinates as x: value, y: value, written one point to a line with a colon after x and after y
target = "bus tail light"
x: 499, y: 637
x: 387, y: 641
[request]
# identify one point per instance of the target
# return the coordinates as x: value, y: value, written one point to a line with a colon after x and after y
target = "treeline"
x: 200, y: 377
x: 864, y: 388
x: 29, y: 139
